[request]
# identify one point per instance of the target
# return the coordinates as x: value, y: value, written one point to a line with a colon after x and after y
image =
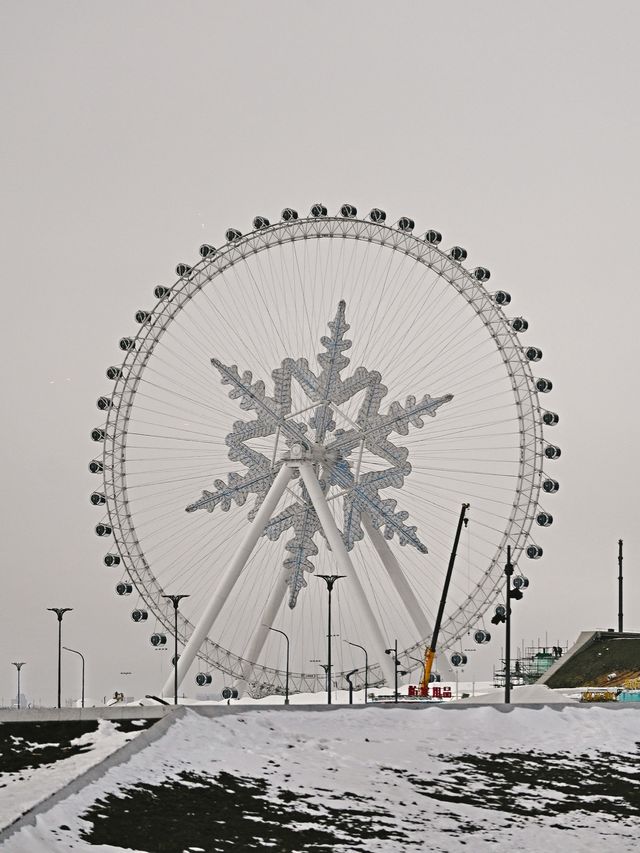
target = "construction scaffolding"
x: 530, y: 663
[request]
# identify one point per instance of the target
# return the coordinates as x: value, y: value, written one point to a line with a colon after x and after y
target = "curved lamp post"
x: 67, y: 649
x: 59, y: 611
x: 366, y: 668
x: 286, y: 686
x: 348, y: 676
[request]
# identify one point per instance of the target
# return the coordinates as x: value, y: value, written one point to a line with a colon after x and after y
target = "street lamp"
x: 366, y: 668
x: 67, y: 649
x: 323, y: 665
x: 394, y: 652
x: 327, y: 679
x: 420, y: 661
x: 59, y: 611
x: 348, y: 676
x: 286, y: 684
x: 330, y: 580
x: 18, y: 665
x: 175, y: 600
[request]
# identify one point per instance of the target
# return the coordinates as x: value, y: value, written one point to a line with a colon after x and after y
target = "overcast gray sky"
x: 132, y: 132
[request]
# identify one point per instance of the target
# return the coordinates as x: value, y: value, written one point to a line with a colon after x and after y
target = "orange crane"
x: 430, y: 651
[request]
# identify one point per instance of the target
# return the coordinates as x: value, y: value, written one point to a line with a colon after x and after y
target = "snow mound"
x: 528, y: 694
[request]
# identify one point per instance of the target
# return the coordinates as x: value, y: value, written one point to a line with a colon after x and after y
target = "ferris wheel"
x: 320, y: 395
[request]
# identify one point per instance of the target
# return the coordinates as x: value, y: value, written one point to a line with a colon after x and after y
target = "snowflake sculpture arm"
x: 271, y: 417
x: 376, y: 428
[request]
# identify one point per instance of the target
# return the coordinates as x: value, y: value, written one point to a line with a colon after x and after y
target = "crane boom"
x: 430, y: 651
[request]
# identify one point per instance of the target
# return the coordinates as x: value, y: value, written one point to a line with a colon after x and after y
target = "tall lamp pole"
x: 330, y: 580
x: 67, y: 649
x: 366, y: 668
x: 18, y: 665
x: 503, y: 614
x: 508, y: 571
x: 286, y: 684
x: 175, y: 600
x: 620, y: 585
x: 59, y: 611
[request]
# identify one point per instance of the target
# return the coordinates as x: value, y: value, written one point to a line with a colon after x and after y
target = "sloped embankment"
x: 39, y: 757
x: 608, y: 659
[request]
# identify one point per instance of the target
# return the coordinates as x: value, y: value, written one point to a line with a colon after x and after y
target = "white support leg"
x: 259, y: 638
x: 229, y: 578
x: 346, y: 566
x: 397, y: 578
x: 399, y: 581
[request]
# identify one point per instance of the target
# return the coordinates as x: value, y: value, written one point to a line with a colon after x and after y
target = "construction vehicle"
x: 430, y: 651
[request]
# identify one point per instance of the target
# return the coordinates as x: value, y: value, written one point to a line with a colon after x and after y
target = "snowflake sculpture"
x: 330, y: 450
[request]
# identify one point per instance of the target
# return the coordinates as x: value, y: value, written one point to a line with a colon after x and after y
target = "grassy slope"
x: 592, y: 665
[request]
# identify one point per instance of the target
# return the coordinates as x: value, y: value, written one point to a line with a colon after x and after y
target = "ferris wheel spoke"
x: 463, y: 494
x: 182, y: 432
x: 275, y: 306
x: 461, y: 333
x: 415, y: 367
x: 371, y: 333
x: 444, y: 310
x: 172, y: 384
x: 173, y: 438
x: 447, y: 432
x: 163, y: 417
x: 260, y: 334
x: 468, y: 349
x: 178, y: 395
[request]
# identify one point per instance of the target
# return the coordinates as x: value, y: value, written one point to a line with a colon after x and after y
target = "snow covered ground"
x: 39, y: 764
x: 440, y: 778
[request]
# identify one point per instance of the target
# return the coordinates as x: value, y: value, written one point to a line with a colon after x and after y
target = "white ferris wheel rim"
x: 236, y: 252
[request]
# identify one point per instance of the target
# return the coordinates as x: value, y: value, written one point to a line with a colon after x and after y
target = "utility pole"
x: 620, y: 585
x: 395, y: 680
x: 508, y: 571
